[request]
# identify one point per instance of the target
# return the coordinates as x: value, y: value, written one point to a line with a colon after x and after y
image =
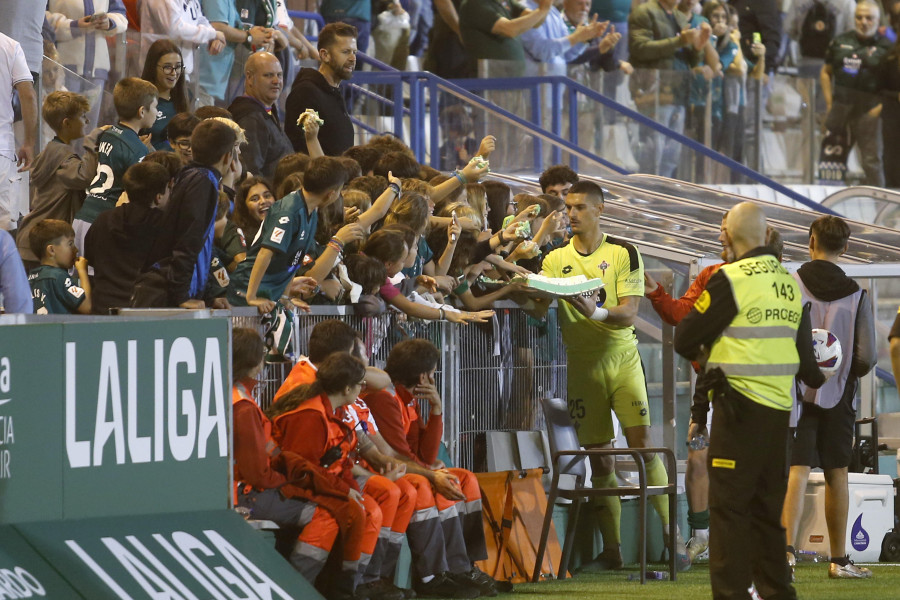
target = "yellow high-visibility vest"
x: 758, y: 350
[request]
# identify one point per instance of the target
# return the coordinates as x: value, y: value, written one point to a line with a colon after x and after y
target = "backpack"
x: 817, y: 30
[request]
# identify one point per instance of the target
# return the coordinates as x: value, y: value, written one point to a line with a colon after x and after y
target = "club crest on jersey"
x: 603, y: 267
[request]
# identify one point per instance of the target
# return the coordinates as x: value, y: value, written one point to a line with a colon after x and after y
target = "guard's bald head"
x: 258, y: 61
x: 746, y: 226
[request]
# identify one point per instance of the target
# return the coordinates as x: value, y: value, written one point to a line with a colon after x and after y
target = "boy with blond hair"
x: 58, y: 176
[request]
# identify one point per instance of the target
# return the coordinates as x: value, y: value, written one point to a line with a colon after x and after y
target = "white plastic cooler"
x: 871, y: 515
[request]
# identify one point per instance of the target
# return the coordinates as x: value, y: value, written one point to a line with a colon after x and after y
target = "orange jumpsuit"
x: 257, y: 486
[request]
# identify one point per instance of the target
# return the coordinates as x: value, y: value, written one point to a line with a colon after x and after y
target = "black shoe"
x: 500, y: 585
x: 408, y: 593
x: 477, y: 579
x: 378, y: 590
x: 443, y: 586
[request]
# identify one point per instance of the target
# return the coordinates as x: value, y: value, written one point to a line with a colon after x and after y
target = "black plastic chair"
x: 568, y: 459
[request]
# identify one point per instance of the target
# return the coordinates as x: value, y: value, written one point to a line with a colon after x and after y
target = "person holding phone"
x: 81, y: 39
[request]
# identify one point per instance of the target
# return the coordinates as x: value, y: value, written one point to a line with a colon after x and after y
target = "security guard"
x: 750, y: 330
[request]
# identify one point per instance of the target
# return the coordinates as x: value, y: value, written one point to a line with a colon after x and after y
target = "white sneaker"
x: 848, y: 571
x: 698, y: 548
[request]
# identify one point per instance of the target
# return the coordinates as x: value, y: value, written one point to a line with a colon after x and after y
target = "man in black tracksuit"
x: 320, y: 90
x: 749, y: 330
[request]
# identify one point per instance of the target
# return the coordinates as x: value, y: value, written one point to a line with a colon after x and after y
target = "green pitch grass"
x: 812, y: 583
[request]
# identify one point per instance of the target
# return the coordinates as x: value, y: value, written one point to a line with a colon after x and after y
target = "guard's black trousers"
x: 747, y: 483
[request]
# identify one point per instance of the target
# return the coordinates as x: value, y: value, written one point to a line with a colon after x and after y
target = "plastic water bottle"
x: 810, y: 556
x: 660, y: 575
x: 698, y: 442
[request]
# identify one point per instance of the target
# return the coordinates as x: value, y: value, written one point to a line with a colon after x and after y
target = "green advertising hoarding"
x: 114, y: 417
x: 147, y: 417
x: 24, y: 574
x: 31, y: 423
x: 181, y: 556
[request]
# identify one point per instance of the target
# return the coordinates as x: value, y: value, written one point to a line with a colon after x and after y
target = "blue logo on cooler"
x: 859, y: 537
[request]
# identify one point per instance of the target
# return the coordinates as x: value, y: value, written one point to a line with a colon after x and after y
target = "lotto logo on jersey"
x: 284, y: 220
x: 277, y: 235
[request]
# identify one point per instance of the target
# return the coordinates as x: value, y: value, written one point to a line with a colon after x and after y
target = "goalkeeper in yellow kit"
x: 604, y: 367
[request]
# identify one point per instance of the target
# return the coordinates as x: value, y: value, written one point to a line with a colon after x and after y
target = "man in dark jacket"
x: 825, y: 429
x: 257, y: 113
x: 320, y: 90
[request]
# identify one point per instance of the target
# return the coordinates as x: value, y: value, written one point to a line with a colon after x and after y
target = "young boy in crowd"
x: 119, y: 241
x: 118, y: 148
x: 58, y: 176
x: 179, y: 131
x: 52, y: 289
x: 181, y: 258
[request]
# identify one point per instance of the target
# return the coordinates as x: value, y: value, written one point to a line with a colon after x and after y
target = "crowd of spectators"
x: 214, y: 208
x: 296, y: 161
x: 223, y: 199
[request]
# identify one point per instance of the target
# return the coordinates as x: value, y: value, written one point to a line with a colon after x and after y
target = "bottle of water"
x: 698, y: 442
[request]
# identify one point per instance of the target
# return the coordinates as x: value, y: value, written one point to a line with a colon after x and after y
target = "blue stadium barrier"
x: 464, y: 88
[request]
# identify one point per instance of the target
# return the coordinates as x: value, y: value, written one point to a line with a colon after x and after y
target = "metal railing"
x: 491, y: 376
x: 424, y: 91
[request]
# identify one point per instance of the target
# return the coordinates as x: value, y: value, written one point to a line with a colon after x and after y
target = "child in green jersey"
x: 52, y: 289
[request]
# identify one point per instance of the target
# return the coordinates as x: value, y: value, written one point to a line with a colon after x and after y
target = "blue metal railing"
x: 562, y: 87
x: 309, y: 16
x: 419, y: 81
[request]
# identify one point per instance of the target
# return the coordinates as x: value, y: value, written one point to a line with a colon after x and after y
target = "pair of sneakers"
x: 838, y: 568
x: 611, y: 558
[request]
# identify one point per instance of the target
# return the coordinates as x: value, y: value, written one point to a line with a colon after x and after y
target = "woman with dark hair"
x: 251, y: 203
x: 499, y: 202
x: 164, y: 68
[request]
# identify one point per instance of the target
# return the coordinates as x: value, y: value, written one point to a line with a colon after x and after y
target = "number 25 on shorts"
x: 576, y: 408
